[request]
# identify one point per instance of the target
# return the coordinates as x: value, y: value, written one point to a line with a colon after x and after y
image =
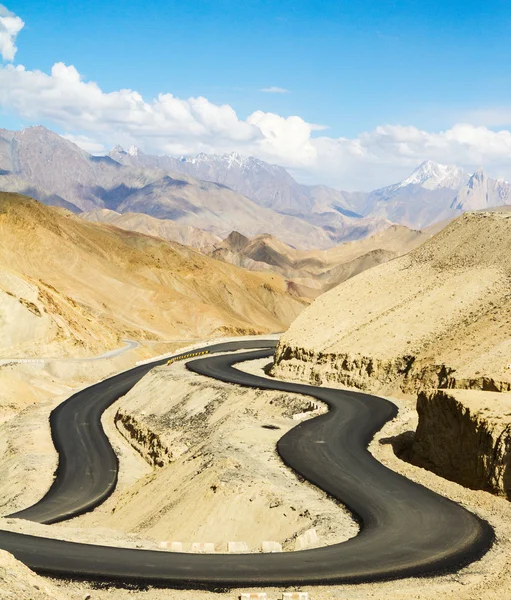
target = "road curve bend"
x: 88, y: 466
x: 406, y: 529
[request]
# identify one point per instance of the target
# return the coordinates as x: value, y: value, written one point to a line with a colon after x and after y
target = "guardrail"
x: 185, y: 356
x: 146, y: 361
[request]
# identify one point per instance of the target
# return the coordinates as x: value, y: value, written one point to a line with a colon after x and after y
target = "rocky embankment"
x: 408, y: 373
x: 465, y: 436
x: 145, y: 441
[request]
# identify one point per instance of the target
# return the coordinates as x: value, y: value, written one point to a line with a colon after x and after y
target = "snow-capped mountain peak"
x: 234, y: 160
x: 432, y: 176
x: 231, y: 160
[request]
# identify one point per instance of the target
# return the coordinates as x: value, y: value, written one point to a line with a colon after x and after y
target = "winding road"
x: 406, y: 529
x: 128, y: 345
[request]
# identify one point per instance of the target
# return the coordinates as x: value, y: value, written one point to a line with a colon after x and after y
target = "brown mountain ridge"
x: 67, y: 285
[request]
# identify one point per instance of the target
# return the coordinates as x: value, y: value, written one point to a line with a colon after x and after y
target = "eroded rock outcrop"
x: 465, y: 436
x: 409, y: 373
x: 146, y: 442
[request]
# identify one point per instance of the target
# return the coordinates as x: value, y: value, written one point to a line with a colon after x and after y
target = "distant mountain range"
x: 219, y: 194
x: 432, y: 193
x: 41, y: 164
x: 270, y: 186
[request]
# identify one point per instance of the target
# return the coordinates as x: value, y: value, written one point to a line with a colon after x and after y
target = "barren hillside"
x: 312, y: 272
x: 68, y: 286
x: 439, y: 317
x: 171, y: 231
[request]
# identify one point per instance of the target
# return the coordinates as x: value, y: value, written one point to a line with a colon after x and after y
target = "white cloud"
x: 290, y: 137
x: 96, y: 120
x: 87, y: 144
x: 275, y: 90
x: 389, y: 153
x: 10, y: 26
x: 64, y: 98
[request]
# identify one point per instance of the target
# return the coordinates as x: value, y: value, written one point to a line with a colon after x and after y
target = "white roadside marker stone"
x: 237, y: 547
x: 306, y: 540
x: 295, y: 596
x: 253, y: 596
x: 271, y: 547
x: 172, y: 546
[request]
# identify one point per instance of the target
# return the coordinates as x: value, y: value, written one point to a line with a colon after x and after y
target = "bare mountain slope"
x: 313, y: 272
x: 163, y: 228
x: 439, y: 316
x: 219, y: 210
x: 268, y: 185
x: 432, y: 193
x: 222, y: 193
x: 73, y: 286
x: 482, y: 192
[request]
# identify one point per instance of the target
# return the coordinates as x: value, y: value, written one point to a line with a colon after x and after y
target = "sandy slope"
x: 17, y: 582
x: 173, y: 231
x: 76, y: 287
x: 437, y: 316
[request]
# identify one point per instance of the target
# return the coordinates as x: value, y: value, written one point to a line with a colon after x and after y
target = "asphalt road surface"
x: 88, y: 467
x: 406, y: 529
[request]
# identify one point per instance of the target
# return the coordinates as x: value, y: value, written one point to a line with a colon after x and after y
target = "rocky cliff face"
x: 465, y: 436
x: 408, y: 373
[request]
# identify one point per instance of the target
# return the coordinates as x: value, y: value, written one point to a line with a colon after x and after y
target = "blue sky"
x: 350, y: 66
